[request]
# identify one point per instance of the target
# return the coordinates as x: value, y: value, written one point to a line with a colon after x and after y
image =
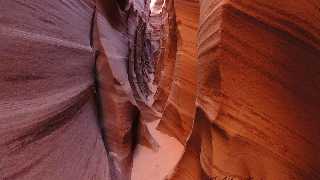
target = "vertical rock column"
x: 124, y: 76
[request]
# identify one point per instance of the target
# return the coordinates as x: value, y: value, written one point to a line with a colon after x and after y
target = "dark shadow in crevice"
x: 113, y: 9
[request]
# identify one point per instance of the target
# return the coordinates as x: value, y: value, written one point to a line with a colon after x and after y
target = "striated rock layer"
x: 48, y: 116
x: 258, y: 88
x: 159, y: 89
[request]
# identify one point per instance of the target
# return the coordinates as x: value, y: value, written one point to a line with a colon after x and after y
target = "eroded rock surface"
x: 159, y: 89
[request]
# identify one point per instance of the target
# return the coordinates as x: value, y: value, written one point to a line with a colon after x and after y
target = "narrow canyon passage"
x: 159, y: 90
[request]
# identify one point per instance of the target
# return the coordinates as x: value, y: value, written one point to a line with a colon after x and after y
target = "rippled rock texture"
x: 159, y: 89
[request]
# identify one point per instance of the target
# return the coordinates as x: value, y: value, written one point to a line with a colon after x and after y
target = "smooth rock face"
x: 159, y: 89
x: 48, y: 116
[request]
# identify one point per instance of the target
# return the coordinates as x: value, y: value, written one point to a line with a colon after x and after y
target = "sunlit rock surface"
x: 258, y: 88
x: 159, y: 89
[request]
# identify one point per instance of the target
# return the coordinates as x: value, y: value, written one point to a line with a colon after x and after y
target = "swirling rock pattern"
x: 258, y: 88
x: 159, y: 89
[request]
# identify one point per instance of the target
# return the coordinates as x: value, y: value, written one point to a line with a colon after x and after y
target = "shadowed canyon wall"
x: 159, y: 90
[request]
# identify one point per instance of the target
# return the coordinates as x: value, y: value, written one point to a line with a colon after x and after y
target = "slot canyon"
x: 159, y: 90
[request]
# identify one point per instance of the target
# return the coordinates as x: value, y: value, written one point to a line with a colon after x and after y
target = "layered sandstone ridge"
x: 258, y: 88
x: 160, y: 89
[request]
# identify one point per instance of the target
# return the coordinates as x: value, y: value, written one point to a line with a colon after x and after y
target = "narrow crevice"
x: 91, y: 35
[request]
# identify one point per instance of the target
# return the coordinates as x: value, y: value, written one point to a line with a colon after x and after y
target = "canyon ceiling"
x: 159, y: 89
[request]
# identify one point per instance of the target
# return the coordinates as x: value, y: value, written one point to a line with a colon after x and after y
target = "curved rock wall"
x: 159, y: 89
x: 48, y: 114
x: 258, y: 88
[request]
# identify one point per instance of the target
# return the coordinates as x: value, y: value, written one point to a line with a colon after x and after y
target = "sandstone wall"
x: 160, y: 89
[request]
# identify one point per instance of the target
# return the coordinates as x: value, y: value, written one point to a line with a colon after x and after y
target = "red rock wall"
x: 48, y: 114
x: 258, y: 88
x: 159, y: 89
